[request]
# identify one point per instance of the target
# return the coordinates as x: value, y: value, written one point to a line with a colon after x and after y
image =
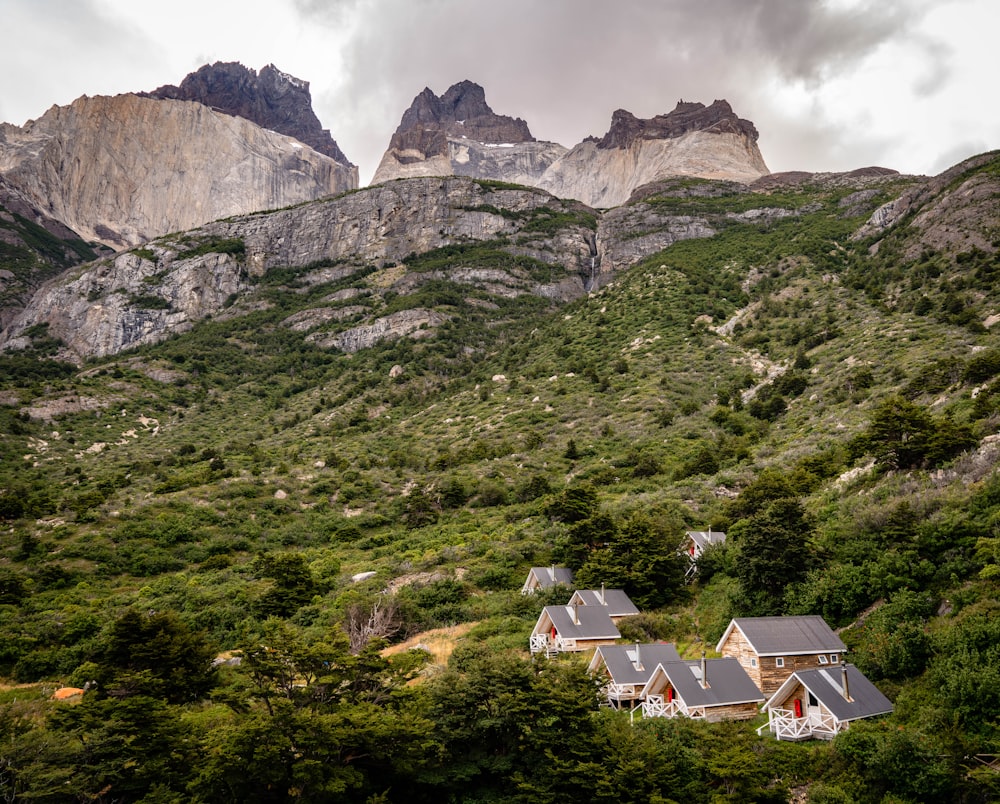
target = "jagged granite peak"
x: 718, y: 118
x: 459, y: 134
x: 125, y: 169
x: 709, y: 142
x: 462, y: 111
x: 270, y: 98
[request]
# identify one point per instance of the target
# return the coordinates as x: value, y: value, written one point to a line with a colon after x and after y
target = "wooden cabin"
x: 626, y: 669
x: 571, y: 629
x: 821, y: 703
x: 546, y: 578
x: 772, y: 648
x: 709, y: 689
x: 698, y: 540
x: 614, y: 601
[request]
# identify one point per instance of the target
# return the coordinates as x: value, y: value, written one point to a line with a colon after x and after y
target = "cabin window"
x: 834, y: 658
x: 779, y: 662
x: 753, y: 661
x: 822, y: 659
x: 812, y: 700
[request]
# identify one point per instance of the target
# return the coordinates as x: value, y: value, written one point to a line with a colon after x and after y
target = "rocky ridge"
x: 144, y: 295
x: 122, y: 170
x: 270, y: 98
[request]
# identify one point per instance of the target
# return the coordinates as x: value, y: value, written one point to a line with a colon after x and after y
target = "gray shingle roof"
x: 827, y: 686
x: 550, y: 576
x: 620, y: 660
x: 594, y: 622
x: 615, y: 601
x: 728, y: 683
x: 703, y: 538
x: 782, y: 636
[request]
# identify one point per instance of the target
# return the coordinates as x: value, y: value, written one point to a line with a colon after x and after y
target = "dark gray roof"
x: 703, y: 538
x: 827, y: 685
x: 728, y: 682
x: 550, y: 576
x: 621, y: 660
x: 781, y: 636
x: 615, y: 601
x: 594, y: 622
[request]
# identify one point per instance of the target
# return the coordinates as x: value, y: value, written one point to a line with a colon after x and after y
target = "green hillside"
x: 831, y: 401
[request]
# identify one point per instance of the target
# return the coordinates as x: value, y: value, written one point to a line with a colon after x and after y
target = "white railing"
x: 655, y: 706
x: 539, y: 643
x: 785, y: 726
x: 622, y: 692
x: 565, y: 644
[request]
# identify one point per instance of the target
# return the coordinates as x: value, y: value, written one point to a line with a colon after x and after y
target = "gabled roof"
x: 588, y: 622
x: 728, y: 683
x: 546, y: 577
x: 620, y: 660
x: 614, y: 601
x: 703, y: 538
x: 782, y: 636
x: 826, y: 684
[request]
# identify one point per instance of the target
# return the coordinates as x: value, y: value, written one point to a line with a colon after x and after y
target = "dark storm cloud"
x: 566, y: 65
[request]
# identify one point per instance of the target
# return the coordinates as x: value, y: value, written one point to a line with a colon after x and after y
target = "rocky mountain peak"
x: 718, y: 118
x: 270, y: 98
x: 460, y: 112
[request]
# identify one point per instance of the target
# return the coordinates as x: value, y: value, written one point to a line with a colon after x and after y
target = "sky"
x: 831, y: 85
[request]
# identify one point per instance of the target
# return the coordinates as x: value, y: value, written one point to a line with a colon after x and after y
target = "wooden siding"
x: 767, y: 675
x: 744, y: 711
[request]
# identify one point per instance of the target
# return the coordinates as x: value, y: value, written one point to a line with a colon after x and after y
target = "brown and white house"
x: 571, y: 629
x: 615, y: 602
x: 546, y: 578
x: 821, y: 703
x: 710, y: 689
x: 626, y: 669
x: 770, y: 649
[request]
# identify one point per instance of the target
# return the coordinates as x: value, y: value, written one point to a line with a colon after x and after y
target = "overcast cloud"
x: 830, y: 84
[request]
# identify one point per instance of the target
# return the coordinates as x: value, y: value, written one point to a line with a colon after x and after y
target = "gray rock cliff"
x: 123, y: 170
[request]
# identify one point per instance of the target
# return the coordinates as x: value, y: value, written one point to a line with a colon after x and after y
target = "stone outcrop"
x: 145, y: 295
x: 459, y: 134
x: 692, y: 140
x: 947, y: 211
x: 270, y: 98
x: 122, y: 170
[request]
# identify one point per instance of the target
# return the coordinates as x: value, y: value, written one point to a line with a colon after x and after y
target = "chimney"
x: 576, y: 612
x: 552, y: 573
x: 603, y: 601
x: 843, y: 682
x: 638, y: 663
x: 704, y: 672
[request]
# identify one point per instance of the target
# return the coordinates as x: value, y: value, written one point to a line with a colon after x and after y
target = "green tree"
x: 772, y: 553
x: 155, y: 655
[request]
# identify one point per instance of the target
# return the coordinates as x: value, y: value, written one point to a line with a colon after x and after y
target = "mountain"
x: 459, y: 134
x: 270, y: 98
x: 122, y: 170
x: 708, y: 142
